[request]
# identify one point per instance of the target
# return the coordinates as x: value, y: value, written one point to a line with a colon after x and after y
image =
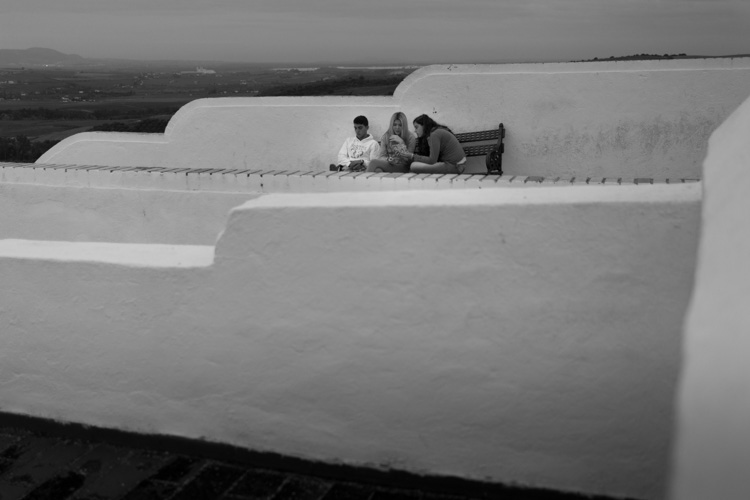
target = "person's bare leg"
x: 436, y: 168
x: 379, y: 165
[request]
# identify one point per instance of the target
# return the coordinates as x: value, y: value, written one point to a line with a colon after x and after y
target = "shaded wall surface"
x: 44, y: 202
x: 66, y: 213
x: 712, y: 453
x: 605, y: 119
x: 190, y: 206
x: 369, y: 328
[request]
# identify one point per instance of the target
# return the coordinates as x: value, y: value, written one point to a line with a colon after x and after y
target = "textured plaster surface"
x: 189, y: 207
x: 712, y: 452
x: 118, y: 215
x: 623, y: 119
x: 528, y: 335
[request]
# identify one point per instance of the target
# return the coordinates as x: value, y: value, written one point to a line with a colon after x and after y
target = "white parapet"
x: 601, y: 119
x: 527, y: 335
x: 189, y: 206
x: 712, y: 452
x: 93, y: 205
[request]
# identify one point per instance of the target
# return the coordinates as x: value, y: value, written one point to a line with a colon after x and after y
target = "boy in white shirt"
x: 357, y: 151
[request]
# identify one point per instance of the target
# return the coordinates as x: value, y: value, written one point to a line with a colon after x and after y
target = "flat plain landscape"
x: 47, y: 103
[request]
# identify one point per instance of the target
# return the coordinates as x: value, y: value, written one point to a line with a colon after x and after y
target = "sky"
x: 376, y: 31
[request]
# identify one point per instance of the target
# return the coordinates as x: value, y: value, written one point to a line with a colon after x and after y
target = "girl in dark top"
x: 445, y: 156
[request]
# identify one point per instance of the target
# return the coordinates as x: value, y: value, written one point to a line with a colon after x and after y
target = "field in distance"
x: 51, y: 103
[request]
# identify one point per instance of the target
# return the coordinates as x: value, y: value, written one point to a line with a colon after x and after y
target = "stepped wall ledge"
x: 528, y: 336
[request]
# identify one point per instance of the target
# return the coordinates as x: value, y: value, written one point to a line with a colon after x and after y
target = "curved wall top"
x: 286, y: 133
x: 604, y: 119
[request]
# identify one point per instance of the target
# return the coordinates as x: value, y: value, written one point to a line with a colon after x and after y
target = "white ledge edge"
x: 126, y: 254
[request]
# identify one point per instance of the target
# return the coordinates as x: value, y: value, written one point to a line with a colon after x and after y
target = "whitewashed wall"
x: 526, y: 335
x: 61, y: 204
x: 621, y: 119
x: 132, y: 205
x: 61, y: 213
x: 712, y: 452
x: 284, y: 133
x: 78, y: 203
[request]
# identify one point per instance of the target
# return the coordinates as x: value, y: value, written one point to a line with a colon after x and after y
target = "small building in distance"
x: 198, y: 71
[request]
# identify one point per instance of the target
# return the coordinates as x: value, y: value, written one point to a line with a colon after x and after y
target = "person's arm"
x: 344, y: 154
x: 372, y: 152
x: 412, y: 143
x: 434, y: 142
x: 383, y: 149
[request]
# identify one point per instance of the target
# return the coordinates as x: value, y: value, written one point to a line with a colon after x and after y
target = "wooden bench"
x: 493, y: 152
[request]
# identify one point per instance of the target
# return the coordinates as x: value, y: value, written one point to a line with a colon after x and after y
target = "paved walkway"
x: 57, y: 463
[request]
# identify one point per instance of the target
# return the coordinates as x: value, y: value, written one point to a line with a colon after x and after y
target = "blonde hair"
x: 405, y: 133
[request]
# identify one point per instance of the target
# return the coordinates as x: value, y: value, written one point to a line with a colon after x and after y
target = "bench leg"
x: 494, y: 162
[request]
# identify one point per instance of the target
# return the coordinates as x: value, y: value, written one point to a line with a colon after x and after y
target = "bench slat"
x: 478, y: 150
x: 483, y: 135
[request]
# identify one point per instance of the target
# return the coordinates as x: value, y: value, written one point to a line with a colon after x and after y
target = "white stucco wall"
x: 75, y: 203
x: 712, y: 452
x: 526, y: 335
x: 259, y: 132
x: 89, y: 203
x: 114, y: 215
x: 88, y: 147
x: 119, y: 207
x: 622, y: 119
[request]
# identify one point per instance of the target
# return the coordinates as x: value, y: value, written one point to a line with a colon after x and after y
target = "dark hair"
x: 422, y: 147
x: 429, y: 124
x: 361, y: 120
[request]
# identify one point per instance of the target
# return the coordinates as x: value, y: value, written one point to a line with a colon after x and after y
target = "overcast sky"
x: 376, y: 31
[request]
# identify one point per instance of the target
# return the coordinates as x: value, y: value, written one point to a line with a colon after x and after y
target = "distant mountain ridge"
x: 37, y: 56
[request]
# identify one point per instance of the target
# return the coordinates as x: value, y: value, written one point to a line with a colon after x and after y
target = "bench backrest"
x: 494, y: 152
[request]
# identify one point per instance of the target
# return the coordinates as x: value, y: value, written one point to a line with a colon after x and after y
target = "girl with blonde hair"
x: 396, y: 141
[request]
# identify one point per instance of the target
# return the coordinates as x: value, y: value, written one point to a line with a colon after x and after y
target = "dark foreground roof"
x: 44, y: 459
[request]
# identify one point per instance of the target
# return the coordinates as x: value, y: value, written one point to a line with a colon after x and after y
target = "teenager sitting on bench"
x: 357, y: 151
x: 395, y: 140
x: 437, y: 151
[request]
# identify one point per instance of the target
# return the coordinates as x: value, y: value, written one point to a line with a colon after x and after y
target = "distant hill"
x: 647, y: 57
x: 37, y: 56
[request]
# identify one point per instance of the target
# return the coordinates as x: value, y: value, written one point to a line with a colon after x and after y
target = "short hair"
x: 361, y: 120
